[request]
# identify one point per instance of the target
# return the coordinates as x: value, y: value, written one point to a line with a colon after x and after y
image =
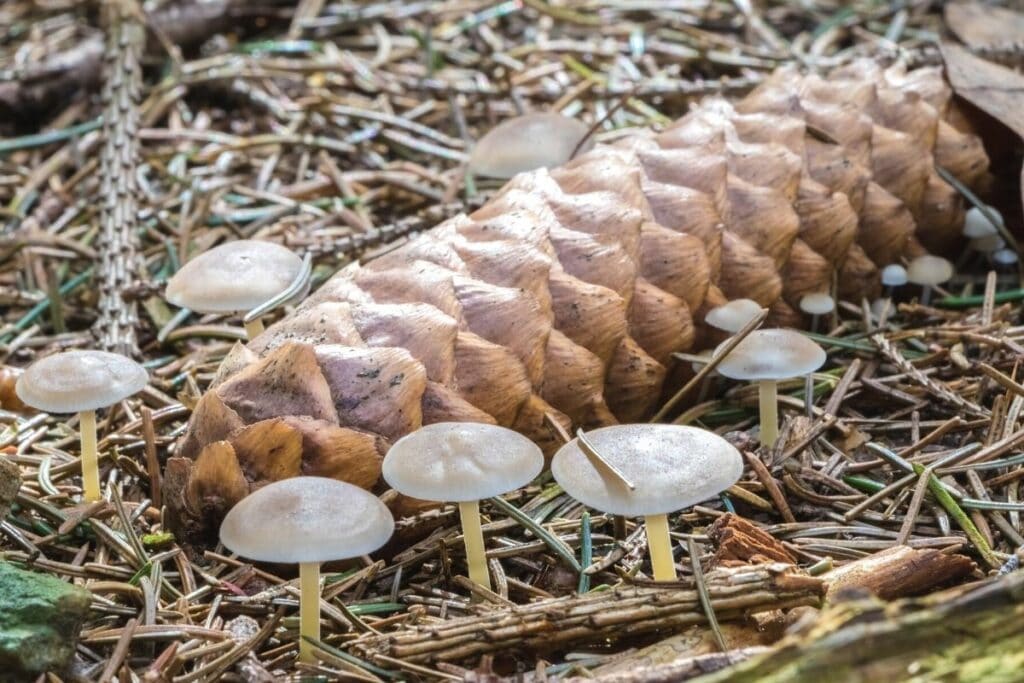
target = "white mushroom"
x: 306, y: 521
x: 928, y: 271
x: 82, y: 382
x: 733, y: 316
x: 526, y: 143
x: 463, y: 462
x: 233, y: 277
x: 817, y: 305
x: 671, y: 468
x: 765, y: 357
x: 977, y: 224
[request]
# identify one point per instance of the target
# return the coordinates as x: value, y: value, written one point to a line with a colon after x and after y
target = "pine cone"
x: 567, y: 294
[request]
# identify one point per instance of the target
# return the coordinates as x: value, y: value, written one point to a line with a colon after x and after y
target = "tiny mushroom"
x: 733, y: 316
x: 767, y: 356
x: 528, y: 142
x: 671, y: 467
x: 82, y: 382
x: 235, y: 276
x: 1005, y: 258
x: 817, y: 305
x: 977, y: 224
x: 462, y: 462
x: 306, y: 521
x: 928, y: 271
x: 893, y: 275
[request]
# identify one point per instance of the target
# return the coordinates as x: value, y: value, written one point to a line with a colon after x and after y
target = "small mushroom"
x: 1005, y: 258
x: 817, y: 305
x: 765, y: 357
x: 306, y: 521
x: 928, y: 271
x: 462, y: 462
x: 671, y: 467
x: 733, y: 316
x: 893, y: 275
x: 233, y: 277
x: 82, y: 382
x: 977, y: 224
x: 528, y: 142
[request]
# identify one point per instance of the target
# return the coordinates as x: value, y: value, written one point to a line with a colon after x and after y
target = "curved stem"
x: 659, y: 544
x: 309, y: 608
x: 768, y: 401
x: 473, y: 535
x: 90, y: 461
x: 254, y: 328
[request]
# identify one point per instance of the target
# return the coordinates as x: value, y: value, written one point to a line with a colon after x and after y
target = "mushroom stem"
x: 473, y: 535
x: 309, y: 609
x: 659, y: 544
x: 254, y: 328
x: 90, y: 462
x: 814, y: 322
x: 926, y: 295
x: 768, y: 402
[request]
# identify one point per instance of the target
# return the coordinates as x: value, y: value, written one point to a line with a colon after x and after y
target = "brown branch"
x: 576, y: 621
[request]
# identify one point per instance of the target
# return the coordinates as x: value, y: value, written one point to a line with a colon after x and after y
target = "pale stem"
x: 926, y: 295
x: 814, y: 322
x: 768, y: 402
x: 90, y: 461
x: 309, y: 608
x: 254, y: 328
x: 473, y: 535
x: 809, y: 394
x: 659, y: 544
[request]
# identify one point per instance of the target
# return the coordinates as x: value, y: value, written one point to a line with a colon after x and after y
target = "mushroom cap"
x: 307, y: 519
x: 977, y: 224
x: 74, y: 381
x: 1005, y: 257
x: 234, y: 276
x: 929, y: 270
x: 732, y: 316
x: 818, y: 303
x: 461, y: 461
x: 671, y: 466
x: 894, y: 275
x: 987, y: 243
x: 526, y: 143
x: 771, y: 354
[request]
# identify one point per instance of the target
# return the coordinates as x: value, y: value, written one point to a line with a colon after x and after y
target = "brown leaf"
x: 269, y: 450
x: 995, y: 89
x: 985, y: 27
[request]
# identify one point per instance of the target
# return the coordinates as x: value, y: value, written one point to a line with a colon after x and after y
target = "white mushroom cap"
x: 818, y: 303
x: 526, y: 143
x: 894, y: 275
x: 977, y: 224
x: 307, y: 519
x: 733, y: 316
x: 461, y: 461
x: 771, y: 354
x: 234, y: 276
x: 988, y: 243
x: 671, y: 466
x: 75, y: 381
x: 1005, y: 257
x: 929, y: 270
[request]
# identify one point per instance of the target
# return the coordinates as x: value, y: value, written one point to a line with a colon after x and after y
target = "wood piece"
x: 739, y: 541
x: 899, y: 572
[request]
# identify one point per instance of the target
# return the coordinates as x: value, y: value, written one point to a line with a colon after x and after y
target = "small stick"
x: 600, y: 463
